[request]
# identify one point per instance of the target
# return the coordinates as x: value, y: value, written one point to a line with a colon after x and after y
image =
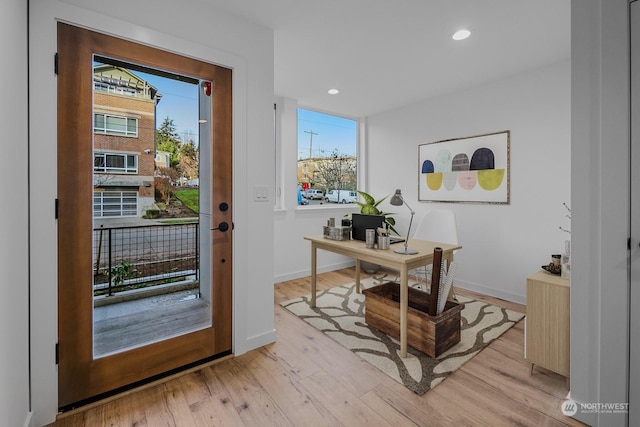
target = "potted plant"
x: 370, y: 207
x: 120, y: 272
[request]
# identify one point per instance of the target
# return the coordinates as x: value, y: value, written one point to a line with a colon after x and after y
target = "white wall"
x: 600, y: 194
x: 194, y: 29
x: 14, y: 261
x: 502, y: 244
x: 292, y: 254
x: 513, y: 240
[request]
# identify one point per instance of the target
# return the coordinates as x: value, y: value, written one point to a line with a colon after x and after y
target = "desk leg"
x: 313, y: 274
x: 404, y: 303
x: 357, y: 276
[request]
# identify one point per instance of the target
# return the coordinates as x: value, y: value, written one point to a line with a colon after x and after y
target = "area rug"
x: 339, y: 314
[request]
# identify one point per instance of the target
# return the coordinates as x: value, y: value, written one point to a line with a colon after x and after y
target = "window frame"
x: 99, y: 197
x: 117, y: 90
x: 106, y: 130
x: 126, y: 170
x: 360, y: 127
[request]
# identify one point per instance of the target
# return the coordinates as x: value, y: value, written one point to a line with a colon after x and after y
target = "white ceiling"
x: 384, y: 54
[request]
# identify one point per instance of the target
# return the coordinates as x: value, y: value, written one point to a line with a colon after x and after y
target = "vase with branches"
x: 565, y: 264
x: 567, y: 215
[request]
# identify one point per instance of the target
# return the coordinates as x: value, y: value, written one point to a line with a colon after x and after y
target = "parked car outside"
x: 341, y: 196
x: 314, y: 194
x: 301, y: 198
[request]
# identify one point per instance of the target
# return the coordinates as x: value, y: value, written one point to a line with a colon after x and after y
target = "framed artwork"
x: 474, y: 169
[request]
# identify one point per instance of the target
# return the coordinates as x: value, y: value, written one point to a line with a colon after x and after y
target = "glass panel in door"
x: 148, y: 282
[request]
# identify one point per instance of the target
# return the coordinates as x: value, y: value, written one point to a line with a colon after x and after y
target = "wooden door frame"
x: 81, y: 376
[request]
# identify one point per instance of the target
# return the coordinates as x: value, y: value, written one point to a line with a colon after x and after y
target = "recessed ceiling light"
x: 461, y: 34
x: 333, y: 91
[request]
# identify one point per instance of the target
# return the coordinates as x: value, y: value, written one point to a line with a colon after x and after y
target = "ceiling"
x: 385, y: 54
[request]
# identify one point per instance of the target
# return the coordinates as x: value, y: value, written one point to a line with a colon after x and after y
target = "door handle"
x: 223, y: 226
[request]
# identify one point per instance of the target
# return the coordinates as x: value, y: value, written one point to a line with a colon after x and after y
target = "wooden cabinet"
x: 547, y: 324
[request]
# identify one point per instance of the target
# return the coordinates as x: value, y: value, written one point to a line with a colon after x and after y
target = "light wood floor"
x: 306, y: 379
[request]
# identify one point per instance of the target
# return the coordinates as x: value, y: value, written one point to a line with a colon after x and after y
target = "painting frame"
x: 472, y: 169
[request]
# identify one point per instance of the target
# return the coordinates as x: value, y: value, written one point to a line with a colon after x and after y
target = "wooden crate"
x: 432, y: 335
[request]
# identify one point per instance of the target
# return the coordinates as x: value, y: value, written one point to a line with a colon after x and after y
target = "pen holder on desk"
x: 383, y: 242
x: 370, y: 238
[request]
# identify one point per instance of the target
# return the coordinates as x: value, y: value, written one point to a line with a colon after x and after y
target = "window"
x: 115, y: 125
x: 105, y: 87
x: 115, y: 163
x: 327, y: 154
x: 115, y: 203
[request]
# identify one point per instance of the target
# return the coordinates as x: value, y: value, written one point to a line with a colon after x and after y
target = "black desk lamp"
x: 398, y: 200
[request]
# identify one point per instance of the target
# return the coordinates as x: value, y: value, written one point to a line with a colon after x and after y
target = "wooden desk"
x: 388, y: 258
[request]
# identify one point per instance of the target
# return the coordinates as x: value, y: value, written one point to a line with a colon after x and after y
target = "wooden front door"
x: 98, y: 179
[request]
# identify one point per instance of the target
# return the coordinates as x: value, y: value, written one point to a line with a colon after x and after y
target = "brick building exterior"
x: 123, y: 142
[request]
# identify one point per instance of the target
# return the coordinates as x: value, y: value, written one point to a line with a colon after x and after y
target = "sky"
x: 329, y: 133
x: 179, y: 102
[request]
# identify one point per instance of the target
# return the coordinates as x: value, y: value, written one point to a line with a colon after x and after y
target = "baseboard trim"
x: 462, y: 284
x: 255, y: 342
x: 306, y: 273
x: 476, y: 287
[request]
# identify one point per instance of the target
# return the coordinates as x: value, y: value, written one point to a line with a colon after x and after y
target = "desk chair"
x: 438, y: 225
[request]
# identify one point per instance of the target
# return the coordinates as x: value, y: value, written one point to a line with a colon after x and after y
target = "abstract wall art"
x: 473, y: 169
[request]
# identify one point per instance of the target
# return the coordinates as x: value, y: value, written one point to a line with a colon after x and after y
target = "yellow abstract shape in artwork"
x: 490, y: 179
x: 434, y: 180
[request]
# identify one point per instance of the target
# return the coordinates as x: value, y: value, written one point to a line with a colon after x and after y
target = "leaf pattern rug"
x: 339, y: 314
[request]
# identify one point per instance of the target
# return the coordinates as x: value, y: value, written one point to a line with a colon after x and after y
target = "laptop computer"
x: 360, y: 223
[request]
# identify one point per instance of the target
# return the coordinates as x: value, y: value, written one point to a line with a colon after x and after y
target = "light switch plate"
x: 261, y: 193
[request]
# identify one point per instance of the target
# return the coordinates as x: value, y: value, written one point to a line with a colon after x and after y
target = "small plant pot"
x: 369, y: 267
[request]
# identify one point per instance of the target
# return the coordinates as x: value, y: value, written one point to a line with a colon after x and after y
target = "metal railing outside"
x: 140, y: 256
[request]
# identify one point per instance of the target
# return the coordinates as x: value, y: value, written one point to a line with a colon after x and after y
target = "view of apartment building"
x: 327, y: 173
x: 123, y: 142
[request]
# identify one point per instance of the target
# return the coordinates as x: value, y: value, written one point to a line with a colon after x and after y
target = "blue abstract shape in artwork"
x: 427, y: 166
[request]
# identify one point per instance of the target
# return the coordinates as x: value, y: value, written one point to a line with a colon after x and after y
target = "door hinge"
x: 55, y: 63
x: 57, y: 210
x: 57, y: 353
